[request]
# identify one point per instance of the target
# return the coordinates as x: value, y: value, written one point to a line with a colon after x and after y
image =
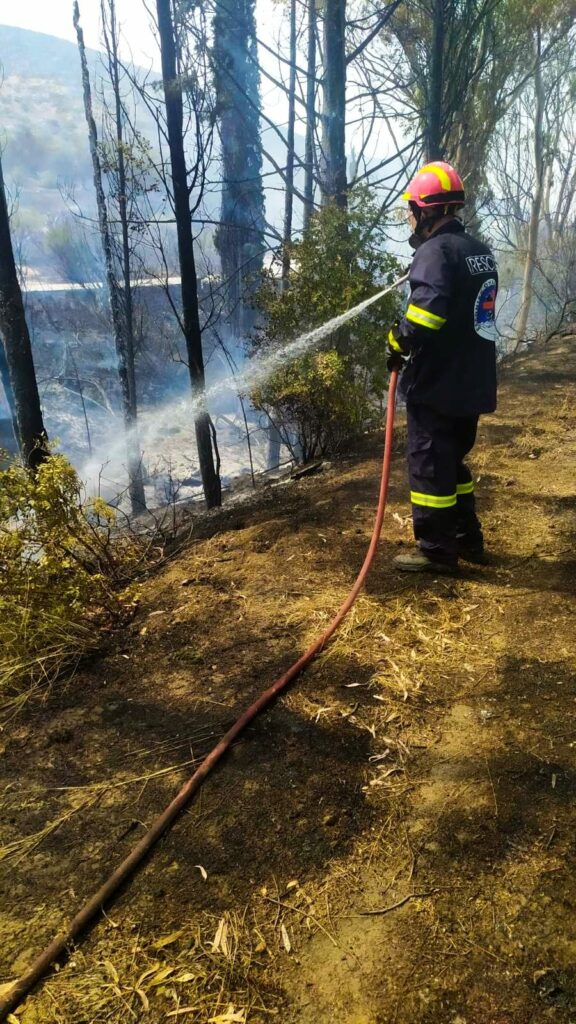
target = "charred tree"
x: 333, y: 164
x: 289, y: 194
x: 110, y: 29
x: 123, y: 351
x: 240, y: 238
x: 23, y: 387
x: 434, y: 142
x: 173, y: 99
x: 309, y: 151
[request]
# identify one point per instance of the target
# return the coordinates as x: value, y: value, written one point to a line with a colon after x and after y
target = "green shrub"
x: 64, y: 574
x: 321, y: 400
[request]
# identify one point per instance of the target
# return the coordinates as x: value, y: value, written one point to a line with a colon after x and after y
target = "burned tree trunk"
x: 124, y: 355
x: 309, y: 154
x: 333, y: 172
x: 110, y: 28
x: 433, y: 128
x: 289, y: 196
x: 240, y: 237
x: 29, y: 425
x: 173, y: 99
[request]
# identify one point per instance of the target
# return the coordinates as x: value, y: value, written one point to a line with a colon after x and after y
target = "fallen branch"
x: 400, y: 903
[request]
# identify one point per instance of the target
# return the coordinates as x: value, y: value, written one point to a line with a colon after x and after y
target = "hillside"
x: 42, y: 120
x: 43, y: 133
x: 392, y: 843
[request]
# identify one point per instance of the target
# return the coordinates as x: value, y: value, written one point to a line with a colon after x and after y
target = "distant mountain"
x: 45, y: 147
x: 42, y: 134
x: 36, y: 55
x: 41, y: 113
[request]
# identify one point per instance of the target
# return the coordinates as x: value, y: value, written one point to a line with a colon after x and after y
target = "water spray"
x: 177, y: 413
x: 260, y: 371
x: 61, y: 944
x: 152, y: 423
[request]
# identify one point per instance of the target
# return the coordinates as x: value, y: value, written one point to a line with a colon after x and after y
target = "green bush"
x: 64, y: 574
x: 323, y: 399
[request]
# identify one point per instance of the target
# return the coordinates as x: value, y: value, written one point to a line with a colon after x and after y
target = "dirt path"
x: 423, y: 770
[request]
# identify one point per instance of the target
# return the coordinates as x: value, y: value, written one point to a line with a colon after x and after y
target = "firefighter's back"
x: 453, y: 369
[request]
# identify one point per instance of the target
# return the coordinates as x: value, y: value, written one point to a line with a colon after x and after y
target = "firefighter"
x: 445, y: 347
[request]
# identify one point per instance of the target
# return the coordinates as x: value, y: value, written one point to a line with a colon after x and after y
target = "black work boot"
x: 472, y: 550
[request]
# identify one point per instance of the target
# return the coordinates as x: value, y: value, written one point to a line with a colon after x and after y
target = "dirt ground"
x: 394, y: 842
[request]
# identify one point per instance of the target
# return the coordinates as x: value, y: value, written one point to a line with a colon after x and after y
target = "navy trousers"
x: 441, y: 485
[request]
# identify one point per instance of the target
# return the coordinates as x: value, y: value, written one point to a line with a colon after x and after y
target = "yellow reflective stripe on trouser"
x: 424, y: 318
x: 393, y: 343
x: 433, y: 500
x: 467, y: 488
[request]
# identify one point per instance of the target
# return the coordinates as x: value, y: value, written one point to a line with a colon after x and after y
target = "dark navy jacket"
x: 448, y: 329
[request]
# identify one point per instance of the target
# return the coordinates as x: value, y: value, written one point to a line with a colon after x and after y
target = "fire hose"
x: 59, y: 946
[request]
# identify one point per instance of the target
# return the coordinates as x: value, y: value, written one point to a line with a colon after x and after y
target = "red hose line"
x: 123, y: 872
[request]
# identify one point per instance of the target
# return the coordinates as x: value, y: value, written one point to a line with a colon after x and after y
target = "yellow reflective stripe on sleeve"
x: 467, y: 488
x: 393, y: 343
x: 433, y: 500
x: 424, y: 318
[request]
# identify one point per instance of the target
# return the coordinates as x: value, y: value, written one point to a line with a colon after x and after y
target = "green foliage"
x: 323, y: 399
x: 64, y: 573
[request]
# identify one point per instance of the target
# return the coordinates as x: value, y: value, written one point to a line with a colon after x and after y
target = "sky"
x: 55, y: 18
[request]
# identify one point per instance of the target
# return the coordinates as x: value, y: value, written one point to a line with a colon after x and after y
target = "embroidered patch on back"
x: 485, y: 310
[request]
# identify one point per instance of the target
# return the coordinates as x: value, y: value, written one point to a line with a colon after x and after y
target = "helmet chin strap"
x: 425, y: 223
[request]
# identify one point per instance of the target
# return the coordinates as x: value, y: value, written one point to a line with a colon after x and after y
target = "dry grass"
x: 28, y: 668
x: 214, y: 971
x: 221, y: 969
x: 20, y: 848
x: 402, y: 643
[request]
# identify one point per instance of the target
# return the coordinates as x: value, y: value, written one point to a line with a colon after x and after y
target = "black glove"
x: 396, y: 357
x: 395, y: 362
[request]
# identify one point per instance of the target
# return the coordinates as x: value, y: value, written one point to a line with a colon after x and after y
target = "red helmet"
x: 435, y: 185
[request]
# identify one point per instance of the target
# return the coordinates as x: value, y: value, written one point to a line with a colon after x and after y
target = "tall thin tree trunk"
x: 289, y: 194
x: 433, y: 127
x: 334, y: 184
x: 172, y: 85
x: 274, y: 438
x: 122, y: 206
x: 536, y: 207
x: 30, y: 432
x: 240, y: 238
x: 309, y: 152
x: 135, y: 482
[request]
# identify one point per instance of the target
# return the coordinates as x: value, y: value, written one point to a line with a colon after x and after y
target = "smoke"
x: 166, y: 430
x: 167, y: 442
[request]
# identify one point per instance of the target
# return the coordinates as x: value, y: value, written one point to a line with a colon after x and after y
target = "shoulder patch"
x: 485, y: 310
